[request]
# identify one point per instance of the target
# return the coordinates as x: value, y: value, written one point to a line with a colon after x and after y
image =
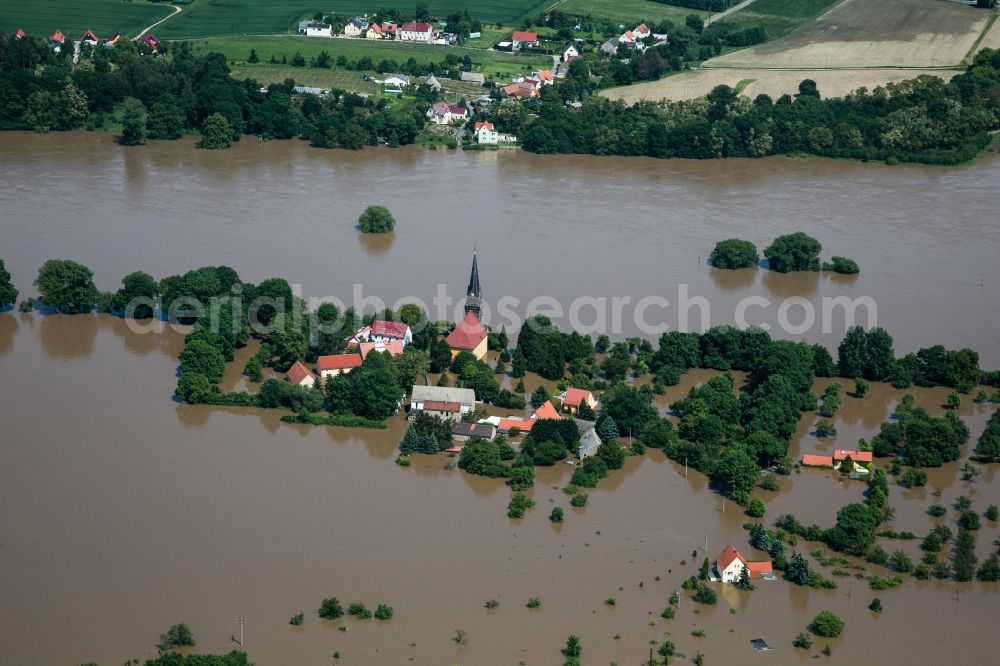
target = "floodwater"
x: 122, y: 512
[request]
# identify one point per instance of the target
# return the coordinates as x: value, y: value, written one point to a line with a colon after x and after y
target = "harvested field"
x: 831, y: 82
x: 872, y: 33
x: 991, y: 40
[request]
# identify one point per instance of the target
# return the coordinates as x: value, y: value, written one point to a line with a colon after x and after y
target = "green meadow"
x: 105, y: 17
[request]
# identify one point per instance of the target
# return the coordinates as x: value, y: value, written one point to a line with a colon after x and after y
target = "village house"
x: 389, y: 30
x: 642, y: 31
x: 112, y: 40
x: 375, y: 31
x: 56, y: 41
x: 20, y: 34
x: 395, y: 83
x: 546, y: 411
x: 442, y: 113
x: 572, y: 398
x: 545, y: 77
x: 810, y: 460
x: 730, y: 564
x: 610, y: 47
x: 150, y: 40
x: 570, y: 51
x: 433, y: 82
x: 382, y: 331
x: 315, y: 29
x: 447, y: 402
x: 511, y: 424
x: 392, y: 348
x: 521, y: 40
x: 485, y: 133
x: 862, y: 460
x: 304, y: 90
x: 589, y: 439
x: 89, y: 38
x: 355, y: 27
x: 463, y: 432
x: 335, y: 364
x: 300, y: 375
x: 415, y: 32
x: 473, y: 77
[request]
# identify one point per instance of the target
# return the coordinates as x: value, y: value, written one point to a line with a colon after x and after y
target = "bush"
x: 793, y: 252
x: 937, y: 510
x: 827, y: 624
x: 297, y: 619
x: 842, y: 265
x: 875, y: 605
x: 178, y: 635
x: 913, y: 478
x: 519, y: 503
x: 579, y: 500
x: 331, y: 609
x: 557, y: 515
x: 383, y: 612
x: 992, y: 513
x: 769, y: 482
x: 358, y: 610
x: 376, y: 220
x: 734, y: 253
x: 802, y: 641
x: 706, y: 595
x: 756, y: 508
x: 533, y: 602
x: 969, y: 520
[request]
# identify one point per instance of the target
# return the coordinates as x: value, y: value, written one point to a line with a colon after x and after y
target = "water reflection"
x: 8, y: 328
x: 785, y: 285
x: 376, y: 244
x: 733, y: 280
x: 65, y: 342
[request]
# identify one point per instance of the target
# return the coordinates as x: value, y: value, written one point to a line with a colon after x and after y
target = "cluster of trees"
x: 988, y: 444
x: 543, y: 349
x: 734, y: 253
x: 921, y: 439
x: 919, y: 120
x: 8, y: 292
x: 178, y: 92
x: 233, y: 658
x: 791, y: 252
x: 705, y: 5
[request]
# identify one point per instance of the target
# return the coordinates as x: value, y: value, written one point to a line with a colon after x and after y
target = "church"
x: 470, y: 335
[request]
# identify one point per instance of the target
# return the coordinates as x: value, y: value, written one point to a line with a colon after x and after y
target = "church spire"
x: 474, y: 294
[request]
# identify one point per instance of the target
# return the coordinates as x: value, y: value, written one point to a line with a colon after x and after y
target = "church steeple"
x: 474, y: 294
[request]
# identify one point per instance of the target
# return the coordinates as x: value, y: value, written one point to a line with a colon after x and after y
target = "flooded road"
x: 122, y: 512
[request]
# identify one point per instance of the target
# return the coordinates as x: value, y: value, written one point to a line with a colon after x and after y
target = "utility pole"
x: 723, y: 506
x: 242, y: 622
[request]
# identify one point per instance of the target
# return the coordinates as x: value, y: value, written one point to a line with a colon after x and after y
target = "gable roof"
x: 546, y: 411
x: 509, y: 423
x: 545, y: 75
x: 416, y: 27
x: 817, y: 461
x: 421, y: 393
x: 338, y: 361
x: 392, y: 348
x: 57, y: 36
x: 377, y: 28
x: 468, y: 334
x: 642, y: 28
x: 298, y: 372
x: 522, y: 36
x: 856, y: 456
x: 484, y: 123
x: 442, y: 406
x: 484, y: 430
x: 758, y: 569
x: 727, y: 557
x: 389, y: 329
x: 574, y: 396
x: 458, y: 110
x: 88, y: 35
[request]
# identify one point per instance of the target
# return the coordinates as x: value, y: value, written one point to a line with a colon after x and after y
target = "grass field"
x: 43, y: 17
x: 211, y: 18
x: 492, y: 63
x: 871, y: 33
x: 781, y: 17
x: 627, y: 12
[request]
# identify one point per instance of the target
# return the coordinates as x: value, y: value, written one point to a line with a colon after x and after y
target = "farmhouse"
x: 382, y: 331
x: 730, y: 564
x: 315, y: 29
x: 150, y: 40
x: 335, y: 364
x: 473, y: 77
x: 300, y: 375
x: 520, y: 39
x: 463, y: 431
x: 355, y: 27
x: 572, y: 398
x: 443, y: 401
x: 415, y: 32
x: 521, y: 90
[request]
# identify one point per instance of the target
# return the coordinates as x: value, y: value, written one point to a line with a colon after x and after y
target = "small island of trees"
x: 734, y: 253
x: 376, y: 220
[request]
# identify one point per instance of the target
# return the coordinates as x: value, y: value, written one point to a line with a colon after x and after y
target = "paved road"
x: 721, y: 15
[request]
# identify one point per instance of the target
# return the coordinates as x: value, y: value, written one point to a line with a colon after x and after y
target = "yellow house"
x: 470, y: 335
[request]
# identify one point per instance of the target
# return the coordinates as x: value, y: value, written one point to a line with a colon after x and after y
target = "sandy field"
x: 872, y: 33
x: 831, y: 82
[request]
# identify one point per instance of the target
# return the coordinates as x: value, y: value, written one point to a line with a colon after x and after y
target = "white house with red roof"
x: 523, y: 39
x: 300, y: 375
x: 335, y: 364
x: 642, y: 31
x: 20, y: 34
x: 448, y: 402
x: 375, y: 31
x: 89, y: 38
x: 381, y: 330
x: 729, y: 566
x: 442, y: 113
x: 485, y: 133
x: 415, y: 32
x: 572, y: 398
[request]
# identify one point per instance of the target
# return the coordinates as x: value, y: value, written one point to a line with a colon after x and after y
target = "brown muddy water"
x: 122, y: 512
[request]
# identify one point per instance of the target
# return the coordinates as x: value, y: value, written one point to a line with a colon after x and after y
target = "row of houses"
x: 362, y: 28
x: 634, y: 39
x: 89, y: 38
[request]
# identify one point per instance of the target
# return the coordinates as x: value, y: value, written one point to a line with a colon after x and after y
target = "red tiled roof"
x: 57, y: 36
x: 575, y: 396
x: 339, y: 362
x: 521, y: 36
x: 298, y: 372
x: 727, y: 557
x: 416, y: 27
x: 546, y: 411
x: 642, y: 27
x: 856, y: 456
x: 376, y: 27
x: 508, y: 424
x: 441, y: 406
x: 458, y: 110
x: 389, y: 329
x: 389, y: 27
x: 545, y: 75
x: 20, y: 33
x: 468, y: 334
x: 817, y: 461
x: 484, y: 123
x: 757, y: 569
x: 89, y: 35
